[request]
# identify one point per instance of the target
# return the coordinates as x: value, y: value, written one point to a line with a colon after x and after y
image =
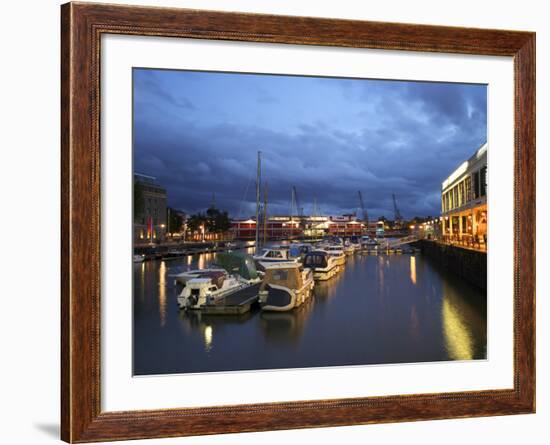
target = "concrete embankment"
x: 470, y: 265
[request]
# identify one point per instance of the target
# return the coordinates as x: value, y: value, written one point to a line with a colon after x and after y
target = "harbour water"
x: 381, y: 309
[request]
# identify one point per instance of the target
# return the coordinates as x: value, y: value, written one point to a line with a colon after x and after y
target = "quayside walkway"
x: 472, y: 242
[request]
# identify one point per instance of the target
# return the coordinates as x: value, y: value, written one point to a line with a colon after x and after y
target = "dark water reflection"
x: 381, y: 309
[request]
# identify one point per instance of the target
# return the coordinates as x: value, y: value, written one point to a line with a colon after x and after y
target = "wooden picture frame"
x: 82, y: 25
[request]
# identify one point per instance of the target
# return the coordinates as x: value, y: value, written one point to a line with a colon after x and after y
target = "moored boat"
x: 322, y: 264
x: 233, y: 282
x: 355, y: 242
x: 299, y: 250
x: 181, y: 279
x: 274, y: 255
x: 338, y: 253
x: 367, y: 241
x: 285, y: 286
x: 348, y: 249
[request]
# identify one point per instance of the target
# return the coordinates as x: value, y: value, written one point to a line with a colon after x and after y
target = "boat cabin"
x: 274, y: 255
x: 316, y: 259
x: 284, y: 274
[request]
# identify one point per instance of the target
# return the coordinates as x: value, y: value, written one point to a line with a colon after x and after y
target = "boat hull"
x: 324, y: 274
x: 282, y: 299
x: 243, y: 295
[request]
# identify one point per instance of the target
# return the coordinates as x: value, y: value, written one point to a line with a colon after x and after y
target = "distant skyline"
x: 198, y: 133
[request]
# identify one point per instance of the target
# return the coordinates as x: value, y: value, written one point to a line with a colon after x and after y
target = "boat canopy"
x: 239, y: 263
x: 317, y: 258
x: 299, y: 249
x: 287, y: 275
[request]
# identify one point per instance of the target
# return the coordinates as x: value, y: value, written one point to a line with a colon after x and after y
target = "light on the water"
x: 162, y: 293
x: 208, y: 337
x: 458, y: 337
x: 413, y: 269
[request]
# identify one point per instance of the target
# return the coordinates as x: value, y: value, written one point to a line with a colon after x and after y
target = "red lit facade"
x: 346, y: 229
x: 284, y: 228
x: 273, y: 230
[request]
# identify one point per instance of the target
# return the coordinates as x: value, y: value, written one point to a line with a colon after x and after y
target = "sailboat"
x: 258, y: 179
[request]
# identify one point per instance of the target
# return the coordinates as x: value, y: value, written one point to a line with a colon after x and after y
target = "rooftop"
x: 463, y: 168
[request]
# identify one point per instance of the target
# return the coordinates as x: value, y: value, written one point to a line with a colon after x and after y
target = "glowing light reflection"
x: 458, y: 338
x: 162, y: 293
x: 413, y: 269
x: 381, y: 273
x: 208, y: 338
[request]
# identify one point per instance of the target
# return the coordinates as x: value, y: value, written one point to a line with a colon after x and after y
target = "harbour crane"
x: 398, y: 218
x: 363, y: 209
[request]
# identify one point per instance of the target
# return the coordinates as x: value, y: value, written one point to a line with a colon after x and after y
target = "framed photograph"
x: 274, y: 222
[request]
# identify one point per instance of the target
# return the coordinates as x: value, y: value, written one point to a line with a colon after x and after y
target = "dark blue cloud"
x: 199, y: 133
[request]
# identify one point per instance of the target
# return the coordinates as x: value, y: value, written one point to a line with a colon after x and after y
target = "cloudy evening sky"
x: 198, y: 133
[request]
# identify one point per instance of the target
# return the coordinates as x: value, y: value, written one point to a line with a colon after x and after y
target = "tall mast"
x: 292, y: 203
x: 265, y: 213
x: 258, y: 179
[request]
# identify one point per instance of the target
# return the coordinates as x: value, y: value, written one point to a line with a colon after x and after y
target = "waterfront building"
x: 345, y: 226
x: 277, y: 227
x: 315, y: 227
x: 464, y: 202
x: 288, y: 227
x: 372, y: 226
x: 149, y: 210
x: 176, y: 224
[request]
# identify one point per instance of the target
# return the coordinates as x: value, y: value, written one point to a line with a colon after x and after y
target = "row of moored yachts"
x: 279, y: 278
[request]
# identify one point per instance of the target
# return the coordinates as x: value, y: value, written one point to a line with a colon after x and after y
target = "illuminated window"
x: 483, y: 181
x: 455, y: 196
x: 476, y: 185
x: 468, y: 187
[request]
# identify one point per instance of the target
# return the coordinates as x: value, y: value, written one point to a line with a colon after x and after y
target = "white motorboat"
x: 274, y: 255
x: 338, y: 253
x: 181, y: 279
x: 349, y: 249
x: 235, y: 278
x: 323, y: 265
x: 139, y: 258
x: 355, y: 242
x: 285, y: 286
x: 368, y: 241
